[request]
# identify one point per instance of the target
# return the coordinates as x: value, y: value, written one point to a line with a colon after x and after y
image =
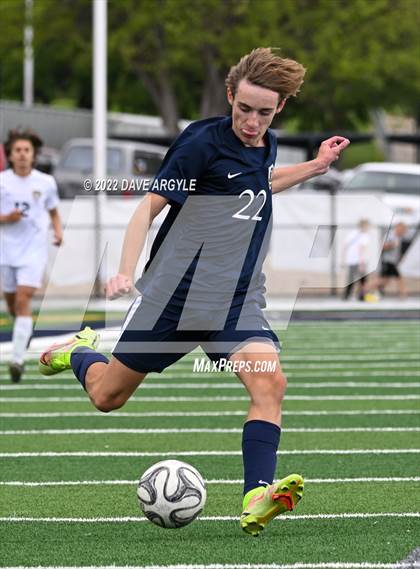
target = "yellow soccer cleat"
x: 263, y: 504
x: 56, y: 358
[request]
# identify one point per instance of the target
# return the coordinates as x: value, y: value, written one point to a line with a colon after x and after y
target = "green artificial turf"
x: 313, y: 353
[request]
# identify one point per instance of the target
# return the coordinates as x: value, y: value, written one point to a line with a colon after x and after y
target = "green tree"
x: 12, y: 18
x: 359, y: 55
x: 170, y: 57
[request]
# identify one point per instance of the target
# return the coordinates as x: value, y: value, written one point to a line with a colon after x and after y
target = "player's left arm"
x: 51, y: 205
x: 57, y: 226
x: 289, y: 176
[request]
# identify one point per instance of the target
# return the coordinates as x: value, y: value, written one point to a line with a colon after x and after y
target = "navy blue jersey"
x: 210, y: 248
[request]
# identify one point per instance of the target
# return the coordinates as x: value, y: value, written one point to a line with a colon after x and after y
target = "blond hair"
x: 263, y: 67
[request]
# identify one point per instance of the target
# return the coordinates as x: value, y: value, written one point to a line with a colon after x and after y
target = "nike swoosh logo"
x: 230, y: 176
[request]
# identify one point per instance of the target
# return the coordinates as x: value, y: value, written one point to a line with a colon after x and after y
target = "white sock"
x: 22, y: 331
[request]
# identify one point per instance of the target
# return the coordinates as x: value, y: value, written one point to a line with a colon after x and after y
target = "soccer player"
x: 203, y: 284
x: 28, y: 202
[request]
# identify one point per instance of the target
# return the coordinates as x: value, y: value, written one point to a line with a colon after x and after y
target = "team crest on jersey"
x: 270, y: 175
x: 36, y: 194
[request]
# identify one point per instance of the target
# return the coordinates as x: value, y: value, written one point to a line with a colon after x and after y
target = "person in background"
x: 391, y: 256
x: 28, y: 203
x: 356, y: 254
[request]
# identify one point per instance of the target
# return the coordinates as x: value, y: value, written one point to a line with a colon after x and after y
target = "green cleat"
x: 56, y: 358
x: 263, y: 504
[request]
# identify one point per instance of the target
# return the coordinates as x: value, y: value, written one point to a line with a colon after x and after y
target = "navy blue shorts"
x: 145, y: 347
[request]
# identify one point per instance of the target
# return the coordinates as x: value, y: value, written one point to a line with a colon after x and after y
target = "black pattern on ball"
x: 171, y: 494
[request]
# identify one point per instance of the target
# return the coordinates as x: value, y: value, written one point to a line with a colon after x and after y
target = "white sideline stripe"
x: 178, y: 374
x: 118, y: 414
x: 132, y: 482
x: 214, y: 431
x: 409, y: 396
x: 283, y: 518
x: 330, y: 565
x: 232, y: 385
x: 54, y: 454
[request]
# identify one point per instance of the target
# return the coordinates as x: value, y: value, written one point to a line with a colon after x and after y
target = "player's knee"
x: 21, y: 305
x: 106, y: 402
x: 276, y: 385
x: 269, y: 388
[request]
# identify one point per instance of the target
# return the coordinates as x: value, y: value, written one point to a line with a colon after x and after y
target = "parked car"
x: 398, y: 186
x: 389, y: 177
x: 47, y: 159
x: 126, y: 162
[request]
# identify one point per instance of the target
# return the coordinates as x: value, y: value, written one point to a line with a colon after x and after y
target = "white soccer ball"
x: 171, y: 493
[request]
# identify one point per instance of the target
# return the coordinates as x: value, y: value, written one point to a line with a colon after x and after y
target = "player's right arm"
x: 134, y: 240
x: 12, y: 217
x: 185, y: 161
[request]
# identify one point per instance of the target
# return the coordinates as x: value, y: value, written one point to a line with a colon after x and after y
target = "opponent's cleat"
x: 16, y: 370
x: 56, y: 358
x: 263, y: 504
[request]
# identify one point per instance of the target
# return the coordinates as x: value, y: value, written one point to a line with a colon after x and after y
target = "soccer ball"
x: 171, y: 493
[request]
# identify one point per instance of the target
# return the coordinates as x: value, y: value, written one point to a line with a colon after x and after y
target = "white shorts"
x: 28, y: 275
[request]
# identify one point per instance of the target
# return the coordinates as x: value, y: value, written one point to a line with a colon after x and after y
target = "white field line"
x: 302, y: 370
x: 290, y: 368
x: 298, y: 381
x: 386, y: 378
x: 221, y: 482
x: 214, y: 431
x: 346, y: 324
x: 356, y: 335
x: 283, y: 518
x: 239, y: 413
x: 328, y: 342
x: 52, y: 454
x: 322, y: 338
x: 306, y: 375
x: 321, y: 385
x: 407, y: 397
x: 166, y: 386
x: 295, y: 375
x: 313, y: 374
x: 360, y: 356
x: 184, y: 364
x: 330, y: 565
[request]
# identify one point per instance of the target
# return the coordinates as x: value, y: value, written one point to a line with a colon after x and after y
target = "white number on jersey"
x: 252, y: 197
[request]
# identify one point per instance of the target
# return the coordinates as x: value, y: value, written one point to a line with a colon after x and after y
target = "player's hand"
x: 118, y: 286
x: 14, y: 216
x: 58, y: 239
x: 330, y: 151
